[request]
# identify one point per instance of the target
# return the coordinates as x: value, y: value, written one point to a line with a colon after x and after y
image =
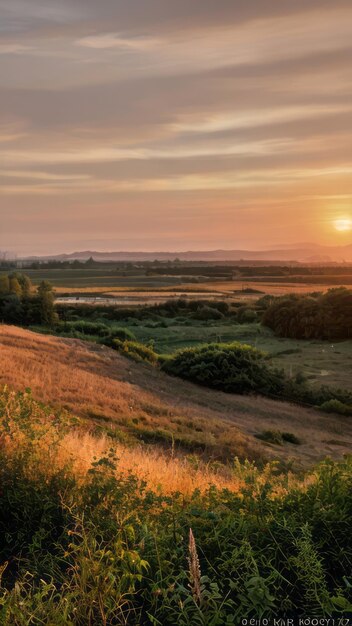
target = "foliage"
x: 19, y: 306
x: 95, y: 329
x: 323, y: 316
x: 188, y: 309
x: 135, y: 350
x: 278, y: 437
x: 107, y: 551
x: 233, y: 367
x: 208, y: 313
x: 336, y: 406
x: 48, y: 315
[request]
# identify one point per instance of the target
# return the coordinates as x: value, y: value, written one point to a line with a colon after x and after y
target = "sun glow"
x: 343, y: 224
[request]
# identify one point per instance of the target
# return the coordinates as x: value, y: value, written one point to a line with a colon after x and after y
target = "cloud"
x: 99, y: 155
x: 257, y: 117
x: 116, y: 40
x: 14, y: 48
x: 42, y: 176
x: 164, y: 109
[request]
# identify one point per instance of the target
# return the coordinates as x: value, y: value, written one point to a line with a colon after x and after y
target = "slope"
x: 139, y: 403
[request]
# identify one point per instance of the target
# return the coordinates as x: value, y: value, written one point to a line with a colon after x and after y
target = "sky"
x: 174, y: 125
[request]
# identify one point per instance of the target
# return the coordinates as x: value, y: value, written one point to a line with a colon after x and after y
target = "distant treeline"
x: 251, y: 271
x: 186, y: 268
x: 20, y: 304
x: 323, y: 316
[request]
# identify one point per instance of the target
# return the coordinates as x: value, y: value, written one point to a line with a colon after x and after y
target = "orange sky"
x: 174, y: 125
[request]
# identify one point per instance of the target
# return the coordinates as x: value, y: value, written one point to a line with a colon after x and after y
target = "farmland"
x: 226, y: 279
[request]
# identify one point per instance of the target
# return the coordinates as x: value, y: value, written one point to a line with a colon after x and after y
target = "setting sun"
x: 343, y: 224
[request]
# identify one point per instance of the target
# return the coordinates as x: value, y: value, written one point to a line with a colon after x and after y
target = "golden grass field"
x: 208, y: 289
x: 102, y: 387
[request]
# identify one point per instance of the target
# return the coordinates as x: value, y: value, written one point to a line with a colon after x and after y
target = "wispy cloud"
x: 153, y: 110
x: 99, y: 155
x: 257, y: 117
x: 14, y: 48
x: 116, y: 40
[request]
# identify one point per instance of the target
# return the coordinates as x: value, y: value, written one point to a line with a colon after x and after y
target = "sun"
x: 343, y: 224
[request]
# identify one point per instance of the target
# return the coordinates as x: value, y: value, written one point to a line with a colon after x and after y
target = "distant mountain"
x: 303, y: 253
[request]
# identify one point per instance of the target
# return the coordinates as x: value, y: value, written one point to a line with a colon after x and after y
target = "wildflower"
x: 194, y: 569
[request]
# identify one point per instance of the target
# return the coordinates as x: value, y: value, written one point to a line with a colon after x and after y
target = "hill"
x: 307, y: 253
x: 137, y: 403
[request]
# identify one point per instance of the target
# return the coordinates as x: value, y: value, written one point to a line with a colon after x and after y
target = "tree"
x: 11, y: 310
x: 48, y: 314
x: 15, y: 287
x: 26, y: 285
x: 4, y: 285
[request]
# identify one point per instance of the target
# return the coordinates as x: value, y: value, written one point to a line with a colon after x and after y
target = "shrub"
x: 291, y: 438
x: 246, y: 315
x: 86, y: 328
x: 207, y: 313
x: 271, y: 436
x: 335, y: 406
x: 135, y: 350
x: 124, y: 334
x: 278, y: 437
x: 234, y: 367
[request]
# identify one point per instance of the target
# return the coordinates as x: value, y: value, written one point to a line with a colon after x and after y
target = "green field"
x: 322, y: 362
x: 95, y: 278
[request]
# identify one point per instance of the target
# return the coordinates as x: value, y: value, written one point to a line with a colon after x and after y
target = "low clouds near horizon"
x: 163, y: 125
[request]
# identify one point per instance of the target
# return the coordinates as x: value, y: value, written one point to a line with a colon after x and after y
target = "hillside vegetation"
x: 138, y: 403
x: 240, y: 368
x: 96, y: 546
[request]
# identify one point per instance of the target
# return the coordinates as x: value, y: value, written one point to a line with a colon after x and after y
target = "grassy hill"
x: 137, y: 404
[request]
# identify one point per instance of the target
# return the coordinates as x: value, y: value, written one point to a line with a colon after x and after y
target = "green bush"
x: 207, y: 313
x: 246, y: 315
x: 233, y: 367
x: 85, y: 327
x: 278, y: 437
x: 335, y: 406
x: 135, y: 350
x: 124, y: 334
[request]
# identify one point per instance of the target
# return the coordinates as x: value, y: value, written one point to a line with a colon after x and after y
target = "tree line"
x: 320, y: 316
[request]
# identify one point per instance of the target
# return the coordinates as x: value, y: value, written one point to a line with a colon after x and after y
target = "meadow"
x: 322, y: 362
x: 100, y: 278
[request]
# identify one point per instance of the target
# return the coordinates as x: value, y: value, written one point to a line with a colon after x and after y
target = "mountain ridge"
x: 312, y: 253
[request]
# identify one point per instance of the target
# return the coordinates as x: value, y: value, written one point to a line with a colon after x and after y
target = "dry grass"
x: 267, y: 287
x: 162, y: 472
x: 103, y: 387
x: 53, y: 442
x: 49, y: 442
x: 97, y: 383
